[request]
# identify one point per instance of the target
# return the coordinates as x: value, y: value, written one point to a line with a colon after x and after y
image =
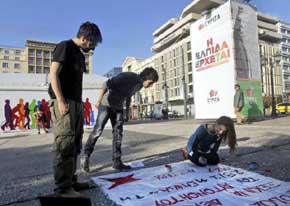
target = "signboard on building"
x: 220, y: 59
x: 213, y: 64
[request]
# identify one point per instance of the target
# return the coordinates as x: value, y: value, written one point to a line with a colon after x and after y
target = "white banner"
x: 213, y: 64
x: 183, y: 184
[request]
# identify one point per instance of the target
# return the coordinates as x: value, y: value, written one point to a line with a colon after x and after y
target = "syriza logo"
x: 208, y: 21
x: 213, y: 97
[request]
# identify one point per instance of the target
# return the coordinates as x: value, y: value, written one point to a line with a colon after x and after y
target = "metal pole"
x: 273, y: 113
x: 184, y: 84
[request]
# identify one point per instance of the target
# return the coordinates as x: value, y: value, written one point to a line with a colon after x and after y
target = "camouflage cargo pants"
x: 68, y: 133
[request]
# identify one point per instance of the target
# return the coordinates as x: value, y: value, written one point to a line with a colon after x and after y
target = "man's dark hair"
x: 149, y: 74
x: 90, y: 32
x: 237, y: 85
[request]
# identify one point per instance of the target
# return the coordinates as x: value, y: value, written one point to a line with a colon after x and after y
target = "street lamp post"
x: 184, y: 84
x: 184, y: 31
x: 273, y: 113
x: 276, y: 58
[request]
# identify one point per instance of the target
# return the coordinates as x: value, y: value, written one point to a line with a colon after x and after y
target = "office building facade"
x: 12, y: 60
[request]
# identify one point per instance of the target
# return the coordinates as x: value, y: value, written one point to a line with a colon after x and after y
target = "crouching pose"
x: 204, y: 143
x: 115, y: 93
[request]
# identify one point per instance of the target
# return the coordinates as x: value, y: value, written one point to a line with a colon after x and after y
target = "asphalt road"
x: 26, y: 160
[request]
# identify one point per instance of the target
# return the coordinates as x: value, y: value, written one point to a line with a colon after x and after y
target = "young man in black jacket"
x: 110, y: 105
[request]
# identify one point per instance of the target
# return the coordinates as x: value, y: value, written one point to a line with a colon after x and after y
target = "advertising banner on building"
x: 183, y: 184
x: 247, y: 58
x: 213, y: 64
x: 225, y: 52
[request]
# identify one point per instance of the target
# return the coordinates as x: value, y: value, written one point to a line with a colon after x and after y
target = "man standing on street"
x: 239, y: 103
x: 65, y: 90
x: 110, y: 106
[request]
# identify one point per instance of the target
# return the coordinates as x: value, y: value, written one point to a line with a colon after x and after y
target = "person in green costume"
x: 32, y: 107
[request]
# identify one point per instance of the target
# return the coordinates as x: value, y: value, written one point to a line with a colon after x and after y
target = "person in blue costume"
x: 203, y: 144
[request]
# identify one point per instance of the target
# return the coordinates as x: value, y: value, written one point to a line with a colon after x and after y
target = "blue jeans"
x: 117, y: 121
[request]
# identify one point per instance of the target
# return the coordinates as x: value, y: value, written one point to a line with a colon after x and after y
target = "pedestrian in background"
x: 239, y: 104
x: 40, y: 120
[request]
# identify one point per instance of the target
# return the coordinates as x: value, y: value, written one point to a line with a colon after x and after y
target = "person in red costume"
x: 87, y: 111
x: 46, y: 113
x: 15, y: 117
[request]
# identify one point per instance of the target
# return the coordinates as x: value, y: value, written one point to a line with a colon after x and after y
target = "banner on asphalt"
x: 183, y: 184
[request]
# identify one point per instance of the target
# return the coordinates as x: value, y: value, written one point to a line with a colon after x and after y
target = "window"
x: 31, y: 69
x: 46, y: 62
x: 46, y: 70
x: 5, y: 65
x: 288, y: 31
x: 31, y: 60
x: 284, y: 49
x: 189, y: 66
x: 189, y: 56
x: 6, y: 51
x: 38, y: 53
x: 16, y: 66
x: 38, y: 61
x: 284, y: 40
x: 38, y: 70
x: 46, y: 54
x: 190, y: 78
x: 188, y: 46
x: 17, y: 52
x: 31, y: 52
x: 190, y: 89
x: 17, y: 58
x: 6, y: 57
x: 283, y: 30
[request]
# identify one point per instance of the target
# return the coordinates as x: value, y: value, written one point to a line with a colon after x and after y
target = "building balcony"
x: 267, y: 26
x: 271, y: 36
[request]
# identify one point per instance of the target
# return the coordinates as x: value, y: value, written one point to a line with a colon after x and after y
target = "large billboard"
x: 213, y: 64
x: 224, y: 48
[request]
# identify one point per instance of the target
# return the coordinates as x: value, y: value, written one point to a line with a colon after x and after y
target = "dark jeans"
x: 117, y: 121
x: 212, y: 159
x: 68, y: 133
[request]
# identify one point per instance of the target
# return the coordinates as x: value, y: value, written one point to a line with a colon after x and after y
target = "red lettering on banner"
x: 213, y: 202
x: 261, y: 188
x: 220, y: 187
x: 274, y: 201
x: 240, y: 193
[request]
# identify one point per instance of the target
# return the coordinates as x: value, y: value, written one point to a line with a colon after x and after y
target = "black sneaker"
x: 120, y: 166
x: 69, y: 192
x: 79, y: 186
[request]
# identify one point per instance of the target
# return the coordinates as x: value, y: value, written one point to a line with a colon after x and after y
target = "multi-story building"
x: 12, y: 59
x: 34, y: 58
x: 39, y: 55
x: 269, y: 47
x: 173, y: 58
x: 113, y: 72
x: 284, y: 29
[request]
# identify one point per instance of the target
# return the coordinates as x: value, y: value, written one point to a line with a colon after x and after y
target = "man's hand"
x: 62, y: 107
